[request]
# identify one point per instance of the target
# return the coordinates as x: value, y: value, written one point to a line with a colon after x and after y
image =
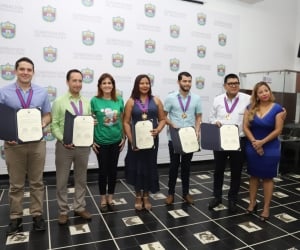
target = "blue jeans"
x: 184, y: 160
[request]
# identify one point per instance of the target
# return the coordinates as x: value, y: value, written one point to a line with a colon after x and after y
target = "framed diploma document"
x: 78, y: 130
x: 184, y: 140
x: 23, y: 125
x: 29, y: 125
x: 221, y: 138
x: 141, y: 135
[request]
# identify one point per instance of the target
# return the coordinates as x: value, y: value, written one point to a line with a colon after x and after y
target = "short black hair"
x: 73, y: 71
x: 184, y: 73
x: 231, y: 75
x: 24, y: 59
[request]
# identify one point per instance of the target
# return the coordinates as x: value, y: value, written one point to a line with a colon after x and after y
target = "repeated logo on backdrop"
x: 87, y: 3
x: 174, y: 64
x: 221, y: 70
x: 49, y: 13
x: 161, y: 40
x: 222, y: 39
x: 50, y: 54
x: 117, y: 60
x: 88, y: 75
x: 151, y: 76
x: 7, y: 72
x: 201, y: 51
x: 200, y: 82
x: 174, y: 31
x: 118, y: 23
x: 8, y: 30
x: 150, y: 10
x: 150, y: 46
x: 88, y: 37
x: 201, y: 19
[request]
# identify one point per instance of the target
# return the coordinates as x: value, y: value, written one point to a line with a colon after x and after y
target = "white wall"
x: 269, y: 33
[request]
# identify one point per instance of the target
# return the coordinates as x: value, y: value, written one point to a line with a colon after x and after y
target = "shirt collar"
x: 71, y: 97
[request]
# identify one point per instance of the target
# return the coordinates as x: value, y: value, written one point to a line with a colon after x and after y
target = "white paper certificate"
x: 83, y: 131
x: 143, y: 137
x: 29, y: 125
x: 188, y: 139
x: 230, y: 139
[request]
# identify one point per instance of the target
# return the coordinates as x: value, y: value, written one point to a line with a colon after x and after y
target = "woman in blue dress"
x: 141, y: 164
x: 263, y: 123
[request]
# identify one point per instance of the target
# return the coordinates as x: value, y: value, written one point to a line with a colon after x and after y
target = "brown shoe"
x: 83, y: 214
x: 188, y: 199
x: 63, y: 219
x: 170, y: 199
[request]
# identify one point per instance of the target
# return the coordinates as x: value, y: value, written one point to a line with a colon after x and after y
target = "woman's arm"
x: 127, y: 119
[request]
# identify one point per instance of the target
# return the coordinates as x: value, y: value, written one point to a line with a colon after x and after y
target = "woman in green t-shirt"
x: 109, y: 139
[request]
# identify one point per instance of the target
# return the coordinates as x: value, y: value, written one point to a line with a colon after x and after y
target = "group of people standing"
x: 260, y: 121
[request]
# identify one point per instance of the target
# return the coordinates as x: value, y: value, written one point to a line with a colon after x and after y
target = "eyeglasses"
x: 233, y: 84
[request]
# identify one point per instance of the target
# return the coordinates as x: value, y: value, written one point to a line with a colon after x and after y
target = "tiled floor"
x: 179, y: 226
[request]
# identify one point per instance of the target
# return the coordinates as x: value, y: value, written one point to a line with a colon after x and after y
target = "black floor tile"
x: 177, y: 226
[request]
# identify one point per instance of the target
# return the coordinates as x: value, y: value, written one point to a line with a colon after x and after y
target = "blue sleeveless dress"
x: 265, y: 166
x: 141, y: 166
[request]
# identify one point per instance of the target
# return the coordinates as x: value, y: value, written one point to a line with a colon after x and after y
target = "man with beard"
x: 182, y: 109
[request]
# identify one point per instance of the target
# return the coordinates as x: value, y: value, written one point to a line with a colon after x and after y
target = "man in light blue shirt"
x: 182, y: 109
x: 26, y: 159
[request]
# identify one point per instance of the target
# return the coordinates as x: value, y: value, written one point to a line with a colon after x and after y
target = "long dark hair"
x: 135, y: 94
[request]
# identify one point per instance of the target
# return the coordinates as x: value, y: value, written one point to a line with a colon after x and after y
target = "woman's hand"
x: 122, y: 143
x: 95, y: 147
x: 154, y: 132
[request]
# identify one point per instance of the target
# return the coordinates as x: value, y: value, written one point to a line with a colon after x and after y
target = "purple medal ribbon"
x: 27, y: 104
x: 232, y: 107
x: 184, y: 109
x: 143, y: 108
x: 80, y: 111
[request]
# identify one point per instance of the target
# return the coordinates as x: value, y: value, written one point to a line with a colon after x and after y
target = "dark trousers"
x: 108, y: 162
x: 184, y: 161
x: 236, y: 160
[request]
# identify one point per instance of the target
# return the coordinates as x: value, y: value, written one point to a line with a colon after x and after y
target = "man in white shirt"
x: 228, y: 108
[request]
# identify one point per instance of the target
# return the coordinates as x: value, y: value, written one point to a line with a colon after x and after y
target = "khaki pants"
x: 64, y: 158
x: 21, y: 160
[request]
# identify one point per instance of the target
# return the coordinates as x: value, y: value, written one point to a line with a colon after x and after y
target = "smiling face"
x: 75, y: 83
x: 232, y: 87
x: 144, y: 86
x: 106, y: 86
x: 24, y: 73
x: 263, y: 93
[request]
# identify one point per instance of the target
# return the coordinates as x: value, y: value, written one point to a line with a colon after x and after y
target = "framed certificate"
x: 23, y: 125
x: 29, y: 124
x: 184, y: 140
x: 141, y: 135
x: 78, y: 130
x: 221, y: 138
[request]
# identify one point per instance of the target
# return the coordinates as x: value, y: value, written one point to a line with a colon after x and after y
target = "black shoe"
x: 214, y: 203
x: 254, y: 210
x: 232, y: 207
x: 39, y: 223
x: 15, y: 226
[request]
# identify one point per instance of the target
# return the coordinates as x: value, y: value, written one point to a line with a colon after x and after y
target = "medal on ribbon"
x: 184, y: 108
x: 143, y: 107
x: 29, y: 98
x: 77, y: 112
x: 229, y: 110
